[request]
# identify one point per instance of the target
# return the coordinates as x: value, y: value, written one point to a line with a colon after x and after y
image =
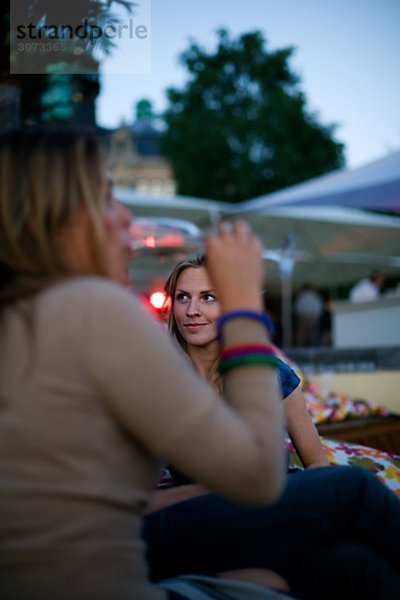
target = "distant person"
x: 308, y: 308
x: 326, y: 323
x: 367, y: 289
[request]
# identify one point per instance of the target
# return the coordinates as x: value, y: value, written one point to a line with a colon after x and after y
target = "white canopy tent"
x: 329, y: 246
x: 326, y: 246
x: 375, y: 186
x: 154, y: 262
x: 201, y: 212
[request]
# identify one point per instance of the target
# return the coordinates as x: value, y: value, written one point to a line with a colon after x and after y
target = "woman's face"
x: 117, y: 219
x: 75, y: 247
x: 195, y: 307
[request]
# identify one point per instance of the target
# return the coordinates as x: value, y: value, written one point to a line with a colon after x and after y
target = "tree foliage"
x: 85, y: 13
x: 80, y: 56
x: 240, y: 126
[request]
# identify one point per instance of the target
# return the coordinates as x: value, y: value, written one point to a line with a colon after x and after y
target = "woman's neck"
x: 204, y: 357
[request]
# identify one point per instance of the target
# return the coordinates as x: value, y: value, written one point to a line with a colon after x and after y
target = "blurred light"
x: 157, y: 299
x: 150, y: 241
x: 157, y: 236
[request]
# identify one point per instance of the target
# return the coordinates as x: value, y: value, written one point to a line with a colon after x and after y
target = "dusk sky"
x: 347, y: 54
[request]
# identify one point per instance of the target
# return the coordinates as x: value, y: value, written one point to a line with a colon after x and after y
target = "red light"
x: 157, y: 299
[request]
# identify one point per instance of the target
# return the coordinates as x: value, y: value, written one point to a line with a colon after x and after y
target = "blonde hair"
x: 170, y: 289
x: 46, y: 177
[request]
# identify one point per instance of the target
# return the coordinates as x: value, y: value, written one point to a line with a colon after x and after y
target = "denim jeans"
x: 205, y: 587
x: 326, y: 530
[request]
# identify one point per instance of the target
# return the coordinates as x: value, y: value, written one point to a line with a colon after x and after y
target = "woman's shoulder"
x: 88, y: 294
x: 80, y: 288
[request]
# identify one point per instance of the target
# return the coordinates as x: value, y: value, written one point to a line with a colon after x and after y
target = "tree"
x: 240, y: 127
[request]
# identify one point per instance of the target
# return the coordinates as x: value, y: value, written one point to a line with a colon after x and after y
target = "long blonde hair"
x: 170, y: 289
x: 46, y: 177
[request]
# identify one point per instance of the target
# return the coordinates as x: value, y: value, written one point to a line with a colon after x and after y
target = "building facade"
x: 135, y: 156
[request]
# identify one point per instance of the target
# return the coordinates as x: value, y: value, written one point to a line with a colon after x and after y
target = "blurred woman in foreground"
x: 89, y: 382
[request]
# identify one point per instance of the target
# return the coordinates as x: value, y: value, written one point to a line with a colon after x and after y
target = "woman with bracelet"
x: 192, y: 323
x: 88, y: 382
x: 318, y: 527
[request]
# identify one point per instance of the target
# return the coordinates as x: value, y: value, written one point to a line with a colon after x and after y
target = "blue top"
x: 288, y: 379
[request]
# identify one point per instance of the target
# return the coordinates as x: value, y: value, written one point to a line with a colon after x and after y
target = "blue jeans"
x: 206, y: 587
x: 333, y: 520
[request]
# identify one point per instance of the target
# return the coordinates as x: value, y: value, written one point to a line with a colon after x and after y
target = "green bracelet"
x: 248, y: 360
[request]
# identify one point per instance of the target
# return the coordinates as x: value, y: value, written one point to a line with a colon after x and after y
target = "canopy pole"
x: 286, y: 312
x: 286, y: 266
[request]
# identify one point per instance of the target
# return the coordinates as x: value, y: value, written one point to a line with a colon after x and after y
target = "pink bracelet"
x: 245, y: 349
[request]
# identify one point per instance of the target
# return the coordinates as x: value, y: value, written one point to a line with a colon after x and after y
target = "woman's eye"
x: 181, y: 297
x: 209, y: 298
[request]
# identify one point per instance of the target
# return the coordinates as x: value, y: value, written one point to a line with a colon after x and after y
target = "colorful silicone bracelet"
x: 244, y: 314
x: 242, y: 349
x: 249, y: 360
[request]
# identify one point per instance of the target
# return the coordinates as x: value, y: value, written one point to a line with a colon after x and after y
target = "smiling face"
x: 195, y: 307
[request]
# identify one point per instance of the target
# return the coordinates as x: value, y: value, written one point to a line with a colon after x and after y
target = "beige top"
x: 91, y: 390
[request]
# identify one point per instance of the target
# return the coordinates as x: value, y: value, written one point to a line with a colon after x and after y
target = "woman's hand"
x: 235, y: 264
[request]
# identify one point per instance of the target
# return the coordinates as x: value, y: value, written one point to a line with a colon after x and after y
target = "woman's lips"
x: 192, y: 327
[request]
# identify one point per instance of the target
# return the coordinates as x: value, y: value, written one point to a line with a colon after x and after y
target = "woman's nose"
x: 193, y: 308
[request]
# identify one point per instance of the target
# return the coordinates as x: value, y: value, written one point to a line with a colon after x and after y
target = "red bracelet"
x: 245, y: 349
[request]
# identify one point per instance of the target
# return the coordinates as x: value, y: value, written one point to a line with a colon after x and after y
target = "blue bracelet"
x: 244, y: 314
